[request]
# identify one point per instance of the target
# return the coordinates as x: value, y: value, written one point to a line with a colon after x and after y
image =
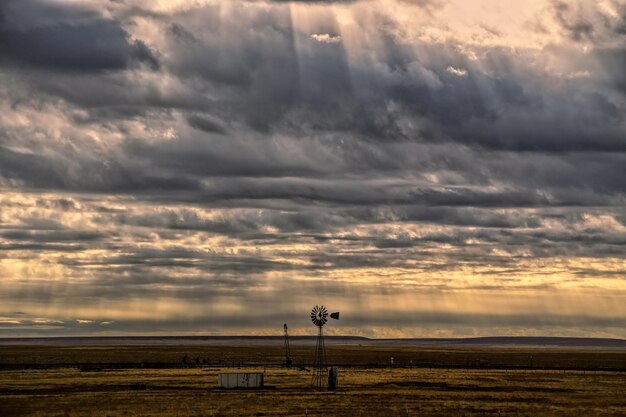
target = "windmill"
x: 319, y: 317
x: 288, y: 359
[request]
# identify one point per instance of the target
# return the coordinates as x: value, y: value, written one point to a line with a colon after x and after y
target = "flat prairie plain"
x: 425, y: 381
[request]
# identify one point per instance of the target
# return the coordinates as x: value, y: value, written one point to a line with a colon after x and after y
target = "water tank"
x: 241, y: 380
x: 333, y: 377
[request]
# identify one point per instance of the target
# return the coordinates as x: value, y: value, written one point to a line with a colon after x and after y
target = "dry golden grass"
x: 381, y: 392
x: 363, y: 392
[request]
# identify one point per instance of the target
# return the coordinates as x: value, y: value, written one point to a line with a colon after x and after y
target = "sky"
x: 429, y: 168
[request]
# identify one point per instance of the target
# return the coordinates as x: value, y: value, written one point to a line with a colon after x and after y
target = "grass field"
x: 363, y: 392
x: 20, y: 357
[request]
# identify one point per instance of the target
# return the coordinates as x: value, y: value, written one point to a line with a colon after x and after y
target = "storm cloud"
x: 203, y: 158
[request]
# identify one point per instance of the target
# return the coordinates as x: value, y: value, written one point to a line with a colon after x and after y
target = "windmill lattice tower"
x: 319, y: 317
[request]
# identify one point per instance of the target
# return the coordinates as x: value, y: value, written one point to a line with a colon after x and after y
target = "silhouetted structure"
x: 288, y: 359
x: 319, y: 317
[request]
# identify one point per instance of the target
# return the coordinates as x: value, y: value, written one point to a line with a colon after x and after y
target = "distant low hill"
x: 522, y: 341
x: 517, y: 341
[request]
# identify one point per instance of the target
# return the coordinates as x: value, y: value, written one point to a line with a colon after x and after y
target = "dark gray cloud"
x: 206, y: 124
x: 41, y: 247
x: 577, y: 27
x: 614, y: 60
x: 52, y: 236
x: 94, y: 46
x: 67, y: 39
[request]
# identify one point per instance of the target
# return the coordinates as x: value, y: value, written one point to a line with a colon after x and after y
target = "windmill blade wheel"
x: 319, y: 315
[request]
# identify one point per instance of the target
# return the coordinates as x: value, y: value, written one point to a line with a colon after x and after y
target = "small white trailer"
x: 241, y: 380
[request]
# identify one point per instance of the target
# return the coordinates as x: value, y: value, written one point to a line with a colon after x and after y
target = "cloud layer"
x: 427, y: 167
